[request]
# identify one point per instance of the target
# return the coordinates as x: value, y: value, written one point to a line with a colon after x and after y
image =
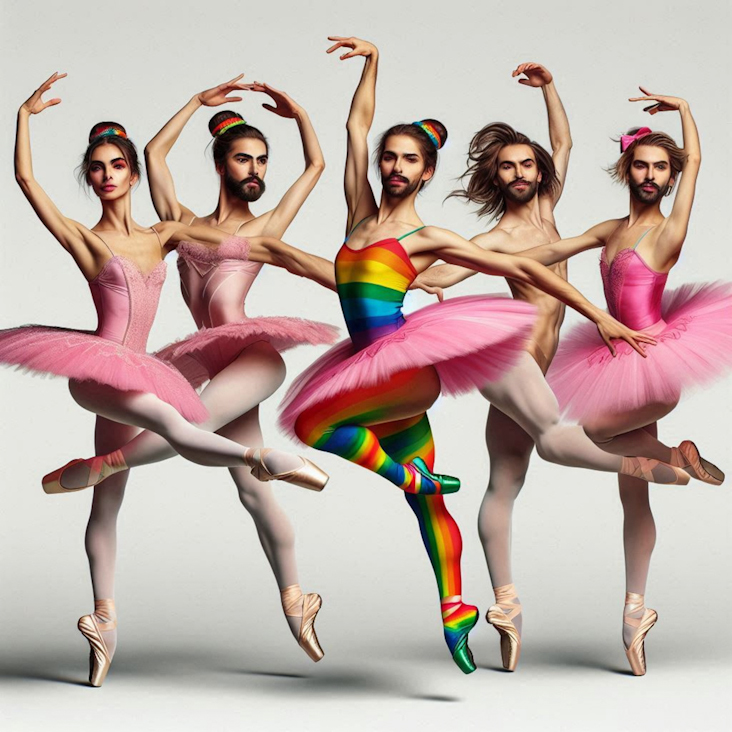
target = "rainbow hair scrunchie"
x: 430, y: 130
x: 227, y: 124
x: 110, y: 131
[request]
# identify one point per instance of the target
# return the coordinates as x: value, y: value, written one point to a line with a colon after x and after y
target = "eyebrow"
x: 113, y: 160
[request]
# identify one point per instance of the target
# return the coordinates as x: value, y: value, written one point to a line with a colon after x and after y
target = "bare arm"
x: 282, y: 215
x: 160, y: 180
x: 559, y: 134
x: 69, y: 233
x: 265, y: 249
x: 673, y: 233
x: 453, y: 248
x: 558, y: 251
x: 359, y: 196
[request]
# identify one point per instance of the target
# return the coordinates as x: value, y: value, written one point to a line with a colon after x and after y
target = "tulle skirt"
x: 469, y: 341
x: 694, y: 348
x: 84, y: 356
x: 202, y: 355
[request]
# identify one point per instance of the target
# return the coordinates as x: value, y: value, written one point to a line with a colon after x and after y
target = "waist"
x: 363, y: 334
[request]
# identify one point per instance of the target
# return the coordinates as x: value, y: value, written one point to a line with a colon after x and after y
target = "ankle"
x: 634, y: 603
x: 106, y: 614
x: 291, y: 597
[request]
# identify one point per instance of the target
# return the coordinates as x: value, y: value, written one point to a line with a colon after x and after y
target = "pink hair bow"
x: 627, y: 140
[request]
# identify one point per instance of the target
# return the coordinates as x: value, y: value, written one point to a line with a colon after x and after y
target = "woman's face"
x: 109, y: 174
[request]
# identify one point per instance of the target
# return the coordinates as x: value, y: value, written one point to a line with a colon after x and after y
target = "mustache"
x: 252, y: 179
x: 395, y: 177
x: 520, y: 182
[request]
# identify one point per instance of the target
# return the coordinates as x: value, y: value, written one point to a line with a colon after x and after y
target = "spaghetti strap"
x: 642, y: 235
x: 160, y: 241
x: 103, y: 242
x: 190, y: 223
x: 238, y: 227
x: 356, y: 227
x: 414, y: 231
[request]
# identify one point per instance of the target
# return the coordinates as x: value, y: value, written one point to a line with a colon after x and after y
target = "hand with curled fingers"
x: 35, y: 104
x: 535, y: 75
x: 358, y: 47
x: 283, y: 106
x: 610, y: 329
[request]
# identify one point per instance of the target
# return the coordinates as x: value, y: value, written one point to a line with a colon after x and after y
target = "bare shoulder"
x: 496, y: 240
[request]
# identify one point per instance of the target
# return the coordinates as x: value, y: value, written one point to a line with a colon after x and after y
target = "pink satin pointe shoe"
x: 100, y: 468
x: 686, y: 456
x: 501, y: 616
x: 91, y: 628
x: 308, y: 476
x: 305, y: 607
x: 641, y: 467
x: 636, y: 650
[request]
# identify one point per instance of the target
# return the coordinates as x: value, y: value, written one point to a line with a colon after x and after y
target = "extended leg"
x: 342, y: 425
x: 524, y: 396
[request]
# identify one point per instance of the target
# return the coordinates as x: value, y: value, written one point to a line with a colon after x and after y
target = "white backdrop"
x: 201, y: 637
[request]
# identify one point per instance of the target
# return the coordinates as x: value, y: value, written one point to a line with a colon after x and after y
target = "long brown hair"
x: 482, y: 173
x: 676, y: 156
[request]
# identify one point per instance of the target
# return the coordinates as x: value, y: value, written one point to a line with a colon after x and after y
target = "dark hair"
x: 223, y: 141
x: 109, y: 133
x: 427, y: 145
x: 621, y: 169
x: 482, y: 172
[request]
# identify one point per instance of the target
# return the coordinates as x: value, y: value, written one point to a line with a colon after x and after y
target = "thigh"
x: 406, y: 394
x: 607, y: 426
x: 405, y: 439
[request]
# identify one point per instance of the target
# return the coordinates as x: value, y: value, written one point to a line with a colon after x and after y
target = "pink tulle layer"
x: 204, y: 354
x: 469, y: 341
x: 694, y: 347
x: 84, y: 356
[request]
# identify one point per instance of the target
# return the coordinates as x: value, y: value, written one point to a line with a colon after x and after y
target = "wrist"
x: 24, y: 111
x: 195, y: 101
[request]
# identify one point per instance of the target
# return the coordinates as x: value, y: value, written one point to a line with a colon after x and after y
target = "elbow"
x: 23, y: 181
x: 151, y: 152
x: 317, y: 166
x: 527, y: 270
x: 693, y: 159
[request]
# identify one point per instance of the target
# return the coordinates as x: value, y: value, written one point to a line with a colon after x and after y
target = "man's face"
x: 649, y: 177
x: 402, y: 167
x: 245, y: 168
x: 518, y: 174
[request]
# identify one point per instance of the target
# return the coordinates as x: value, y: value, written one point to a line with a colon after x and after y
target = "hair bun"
x: 223, y: 121
x: 107, y: 129
x: 435, y: 130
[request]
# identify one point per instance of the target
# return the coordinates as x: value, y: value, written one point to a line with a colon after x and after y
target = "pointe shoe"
x: 686, y: 456
x: 308, y: 476
x: 100, y: 468
x: 458, y: 620
x: 501, y: 616
x: 641, y: 467
x: 306, y: 607
x: 447, y: 483
x: 636, y: 650
x: 91, y: 629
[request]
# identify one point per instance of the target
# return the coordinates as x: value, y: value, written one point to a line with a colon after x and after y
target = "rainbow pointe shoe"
x: 458, y: 619
x: 447, y: 483
x: 501, y: 616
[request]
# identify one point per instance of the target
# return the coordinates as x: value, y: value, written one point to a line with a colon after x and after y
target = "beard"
x: 399, y: 191
x: 647, y: 197
x: 516, y: 196
x: 239, y: 189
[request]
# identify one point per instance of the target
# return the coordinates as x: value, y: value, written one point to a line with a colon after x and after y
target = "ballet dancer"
x: 620, y: 400
x: 109, y: 372
x: 511, y: 177
x: 366, y: 399
x: 238, y: 356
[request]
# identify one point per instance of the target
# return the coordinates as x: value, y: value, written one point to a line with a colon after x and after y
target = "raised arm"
x: 282, y: 215
x: 162, y: 188
x: 559, y: 135
x: 671, y: 237
x: 359, y: 196
x: 265, y: 249
x: 453, y: 248
x: 69, y: 233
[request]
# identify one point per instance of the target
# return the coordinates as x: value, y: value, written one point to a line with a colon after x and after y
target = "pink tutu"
x: 84, y: 356
x: 469, y: 341
x: 204, y: 354
x: 694, y: 346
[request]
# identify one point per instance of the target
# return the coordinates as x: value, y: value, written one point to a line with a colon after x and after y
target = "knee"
x: 310, y: 434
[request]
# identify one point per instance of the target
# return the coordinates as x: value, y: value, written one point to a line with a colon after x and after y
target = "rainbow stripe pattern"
x: 227, y: 124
